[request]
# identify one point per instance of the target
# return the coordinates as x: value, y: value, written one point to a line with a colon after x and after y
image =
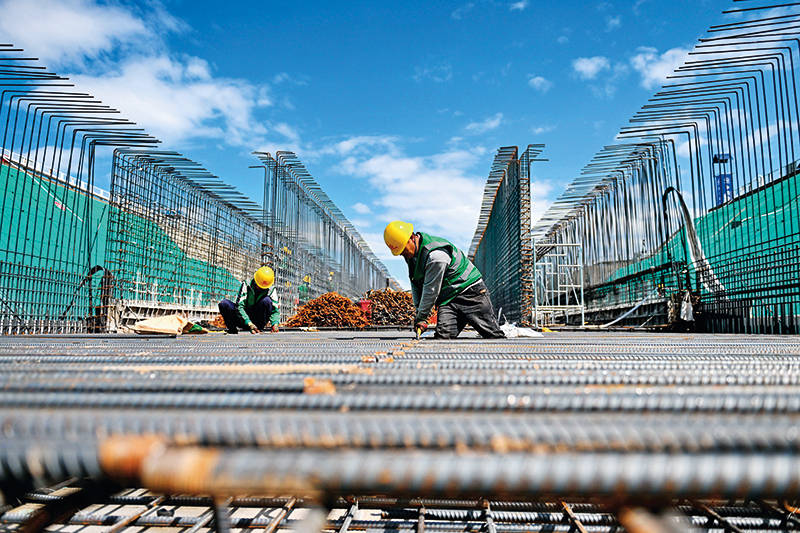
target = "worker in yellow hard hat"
x: 443, y: 275
x: 257, y: 307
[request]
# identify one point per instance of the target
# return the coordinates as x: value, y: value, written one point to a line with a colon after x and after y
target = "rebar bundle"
x: 391, y: 308
x: 330, y: 310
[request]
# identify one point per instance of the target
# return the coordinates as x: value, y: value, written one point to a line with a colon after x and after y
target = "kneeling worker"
x: 256, y: 307
x: 442, y: 275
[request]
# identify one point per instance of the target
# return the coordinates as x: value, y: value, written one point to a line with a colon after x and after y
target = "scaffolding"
x: 558, y: 283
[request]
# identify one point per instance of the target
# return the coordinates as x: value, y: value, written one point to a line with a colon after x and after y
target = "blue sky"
x: 395, y: 107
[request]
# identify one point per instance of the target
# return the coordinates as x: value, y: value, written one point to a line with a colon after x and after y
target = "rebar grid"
x: 176, y: 238
x: 501, y: 247
x: 169, y: 236
x: 699, y: 195
x: 136, y: 508
x: 51, y: 252
x: 574, y: 429
x: 308, y: 241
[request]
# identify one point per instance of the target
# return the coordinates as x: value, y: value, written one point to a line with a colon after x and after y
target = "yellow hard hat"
x: 396, y: 235
x: 264, y: 277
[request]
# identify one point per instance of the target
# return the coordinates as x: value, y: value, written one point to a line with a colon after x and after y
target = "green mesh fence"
x: 752, y: 247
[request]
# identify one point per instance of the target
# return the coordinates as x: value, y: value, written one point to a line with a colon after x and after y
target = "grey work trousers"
x: 472, y: 307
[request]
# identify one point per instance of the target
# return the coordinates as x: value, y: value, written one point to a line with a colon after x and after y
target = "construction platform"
x: 377, y: 431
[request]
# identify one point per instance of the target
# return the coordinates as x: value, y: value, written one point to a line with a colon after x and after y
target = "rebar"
x: 716, y: 226
x: 85, y: 249
x: 501, y: 246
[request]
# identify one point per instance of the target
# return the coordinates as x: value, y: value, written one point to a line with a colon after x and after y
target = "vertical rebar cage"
x: 698, y: 202
x: 309, y: 242
x: 174, y: 244
x: 169, y: 237
x: 502, y: 247
x: 55, y: 219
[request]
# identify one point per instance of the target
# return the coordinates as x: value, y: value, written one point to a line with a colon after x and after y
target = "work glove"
x: 253, y: 328
x: 421, y: 326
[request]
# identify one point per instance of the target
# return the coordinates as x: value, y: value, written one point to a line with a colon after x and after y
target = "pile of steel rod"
x: 363, y: 429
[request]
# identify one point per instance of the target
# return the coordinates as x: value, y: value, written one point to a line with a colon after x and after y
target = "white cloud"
x: 360, y: 144
x: 518, y: 6
x: 562, y: 39
x: 491, y: 123
x: 287, y: 131
x: 459, y: 12
x: 541, y: 198
x: 694, y: 144
x: 118, y: 52
x: 435, y: 192
x: 197, y: 69
x: 588, y: 68
x: 361, y: 209
x: 178, y: 99
x: 69, y: 32
x: 654, y: 67
x: 538, y: 130
x: 539, y: 83
x: 612, y: 23
x: 437, y: 73
x: 607, y: 86
x: 285, y: 77
x: 360, y: 223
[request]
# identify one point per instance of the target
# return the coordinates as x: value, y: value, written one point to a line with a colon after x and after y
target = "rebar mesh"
x: 501, y: 247
x: 52, y: 241
x: 722, y: 231
x: 169, y: 237
x: 309, y: 242
x: 522, y: 434
x: 173, y: 243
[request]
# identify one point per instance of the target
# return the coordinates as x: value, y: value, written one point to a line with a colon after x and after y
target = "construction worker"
x: 442, y: 275
x: 256, y: 307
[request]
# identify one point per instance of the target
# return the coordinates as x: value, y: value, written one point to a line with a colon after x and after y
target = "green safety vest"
x: 458, y: 275
x: 250, y: 294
